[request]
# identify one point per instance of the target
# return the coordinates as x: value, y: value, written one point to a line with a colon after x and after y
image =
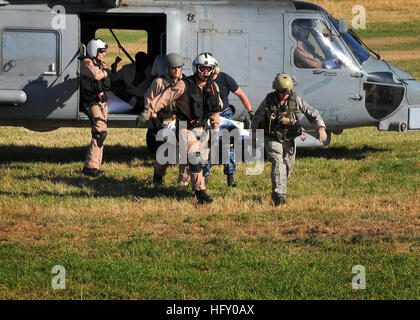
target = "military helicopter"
x: 252, y: 40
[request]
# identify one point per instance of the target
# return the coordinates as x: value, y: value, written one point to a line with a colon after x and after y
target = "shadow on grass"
x: 107, y: 187
x: 339, y: 153
x: 112, y: 153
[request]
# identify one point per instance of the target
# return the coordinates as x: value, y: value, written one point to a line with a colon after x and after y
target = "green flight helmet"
x: 283, y: 83
x: 173, y: 60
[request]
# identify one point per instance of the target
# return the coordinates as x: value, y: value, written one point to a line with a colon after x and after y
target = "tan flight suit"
x: 157, y: 87
x: 91, y: 72
x: 282, y: 152
x: 305, y: 56
x: 190, y: 138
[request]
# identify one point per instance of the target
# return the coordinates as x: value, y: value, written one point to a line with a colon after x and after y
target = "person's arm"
x: 119, y: 75
x: 244, y: 99
x: 156, y: 97
x: 304, y: 59
x: 258, y: 120
x: 114, y: 66
x: 313, y: 116
x: 258, y: 123
x: 89, y: 70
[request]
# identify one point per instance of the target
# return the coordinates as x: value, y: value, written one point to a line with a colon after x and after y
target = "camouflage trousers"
x: 282, y: 156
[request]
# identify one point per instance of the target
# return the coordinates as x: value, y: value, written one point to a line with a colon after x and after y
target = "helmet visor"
x: 207, y: 69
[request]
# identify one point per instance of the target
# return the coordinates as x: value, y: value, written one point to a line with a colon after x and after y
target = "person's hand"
x: 141, y: 120
x: 157, y: 124
x: 322, y: 134
x: 115, y: 64
x: 251, y: 114
x: 285, y: 121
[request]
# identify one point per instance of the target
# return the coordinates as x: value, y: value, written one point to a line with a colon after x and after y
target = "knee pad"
x: 197, y: 166
x: 100, y: 138
x: 99, y: 119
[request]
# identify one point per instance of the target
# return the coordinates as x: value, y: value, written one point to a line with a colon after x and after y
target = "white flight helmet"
x: 204, y: 59
x: 94, y: 45
x: 217, y: 67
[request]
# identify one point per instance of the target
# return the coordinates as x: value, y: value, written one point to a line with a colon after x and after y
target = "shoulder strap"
x: 292, y: 103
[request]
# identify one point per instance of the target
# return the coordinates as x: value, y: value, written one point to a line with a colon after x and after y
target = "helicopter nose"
x: 413, y: 92
x: 413, y: 98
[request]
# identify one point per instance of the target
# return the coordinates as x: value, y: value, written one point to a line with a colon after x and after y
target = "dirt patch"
x: 399, y: 55
x: 376, y: 10
x: 382, y: 42
x: 324, y: 218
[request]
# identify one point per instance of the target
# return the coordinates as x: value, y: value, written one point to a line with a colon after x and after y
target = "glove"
x: 285, y: 121
x: 142, y: 121
x: 157, y: 125
x: 322, y: 134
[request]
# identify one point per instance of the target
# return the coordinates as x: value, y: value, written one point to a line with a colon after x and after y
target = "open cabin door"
x: 38, y: 62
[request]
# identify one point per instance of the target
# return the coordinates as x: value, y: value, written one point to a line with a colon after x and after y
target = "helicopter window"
x: 30, y: 52
x: 316, y: 46
x: 382, y: 99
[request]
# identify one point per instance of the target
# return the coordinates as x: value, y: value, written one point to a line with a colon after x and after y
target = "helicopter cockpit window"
x: 316, y: 47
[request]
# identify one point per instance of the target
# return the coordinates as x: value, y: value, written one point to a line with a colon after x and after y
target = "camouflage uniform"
x: 279, y: 139
x: 95, y: 103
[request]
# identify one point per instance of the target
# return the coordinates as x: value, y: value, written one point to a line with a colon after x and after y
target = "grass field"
x: 355, y: 202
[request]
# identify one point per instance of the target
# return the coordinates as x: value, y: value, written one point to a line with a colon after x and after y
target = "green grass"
x: 353, y: 203
x: 412, y: 45
x: 124, y: 36
x: 389, y: 30
x: 218, y: 268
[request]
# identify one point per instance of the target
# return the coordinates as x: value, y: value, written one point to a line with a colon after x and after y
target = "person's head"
x: 173, y: 65
x: 96, y: 49
x: 142, y: 61
x: 204, y: 65
x: 301, y: 28
x: 283, y: 84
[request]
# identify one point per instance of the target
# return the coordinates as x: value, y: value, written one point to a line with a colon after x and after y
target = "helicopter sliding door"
x: 38, y: 62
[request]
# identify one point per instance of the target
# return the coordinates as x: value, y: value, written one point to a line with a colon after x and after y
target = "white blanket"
x: 116, y: 105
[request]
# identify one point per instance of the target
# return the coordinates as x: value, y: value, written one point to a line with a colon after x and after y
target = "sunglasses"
x: 205, y: 69
x: 102, y: 51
